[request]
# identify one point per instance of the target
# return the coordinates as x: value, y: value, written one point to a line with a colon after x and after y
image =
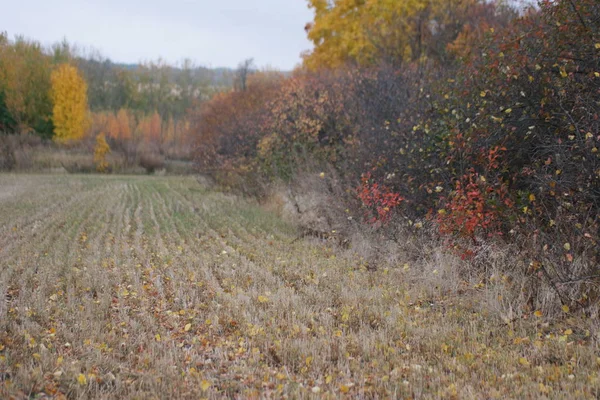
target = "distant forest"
x: 133, y: 105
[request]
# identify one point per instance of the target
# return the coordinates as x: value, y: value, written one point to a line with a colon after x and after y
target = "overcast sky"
x: 213, y: 33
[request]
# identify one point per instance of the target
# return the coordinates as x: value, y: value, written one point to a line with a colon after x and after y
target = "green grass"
x: 154, y: 287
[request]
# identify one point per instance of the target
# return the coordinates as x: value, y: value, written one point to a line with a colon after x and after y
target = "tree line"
x: 66, y: 94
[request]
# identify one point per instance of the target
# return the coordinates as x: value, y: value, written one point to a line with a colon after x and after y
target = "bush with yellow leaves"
x: 100, y: 151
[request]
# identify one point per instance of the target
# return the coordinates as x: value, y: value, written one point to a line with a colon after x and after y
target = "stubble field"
x: 156, y: 287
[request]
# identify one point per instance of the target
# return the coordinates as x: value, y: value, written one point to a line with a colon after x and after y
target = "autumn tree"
x: 155, y: 128
x: 69, y: 96
x: 230, y: 124
x: 369, y: 32
x: 25, y: 85
x: 100, y: 152
x: 123, y: 126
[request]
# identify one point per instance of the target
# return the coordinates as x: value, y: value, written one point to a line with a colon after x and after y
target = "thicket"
x: 492, y: 140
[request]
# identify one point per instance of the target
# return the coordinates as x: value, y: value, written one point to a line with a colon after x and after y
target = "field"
x: 156, y: 287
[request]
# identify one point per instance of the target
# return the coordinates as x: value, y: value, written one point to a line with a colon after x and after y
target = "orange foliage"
x: 229, y: 124
x: 123, y: 126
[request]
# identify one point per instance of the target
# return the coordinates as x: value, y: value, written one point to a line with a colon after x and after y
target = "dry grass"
x: 151, y: 287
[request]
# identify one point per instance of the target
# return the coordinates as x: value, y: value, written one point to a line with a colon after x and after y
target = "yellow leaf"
x: 309, y: 360
x: 263, y: 299
x: 569, y: 332
x: 563, y: 72
x: 597, y: 46
x: 538, y: 314
x: 81, y: 379
x: 532, y: 197
x: 157, y: 337
x: 344, y: 389
x: 328, y: 379
x: 280, y: 376
x: 544, y: 388
x: 204, y: 385
x: 523, y: 361
x: 187, y: 327
x: 508, y: 110
x: 322, y: 175
x: 565, y: 308
x: 482, y: 94
x: 567, y: 246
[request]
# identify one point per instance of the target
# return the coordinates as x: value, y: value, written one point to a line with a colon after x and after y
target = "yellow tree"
x: 100, y: 151
x: 69, y: 97
x: 366, y: 32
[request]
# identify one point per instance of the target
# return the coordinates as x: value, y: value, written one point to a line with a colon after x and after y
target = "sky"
x: 217, y: 33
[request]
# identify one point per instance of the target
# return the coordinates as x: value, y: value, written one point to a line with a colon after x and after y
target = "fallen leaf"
x: 263, y: 299
x: 204, y: 385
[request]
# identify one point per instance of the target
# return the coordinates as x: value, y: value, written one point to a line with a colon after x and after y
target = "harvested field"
x: 155, y: 287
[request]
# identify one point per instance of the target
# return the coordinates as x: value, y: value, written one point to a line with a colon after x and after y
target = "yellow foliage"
x: 81, y: 379
x: 366, y: 32
x: 69, y: 97
x: 100, y: 151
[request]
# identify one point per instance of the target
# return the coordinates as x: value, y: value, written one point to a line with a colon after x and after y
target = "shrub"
x: 151, y: 161
x: 228, y: 127
x: 100, y: 152
x: 7, y: 152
